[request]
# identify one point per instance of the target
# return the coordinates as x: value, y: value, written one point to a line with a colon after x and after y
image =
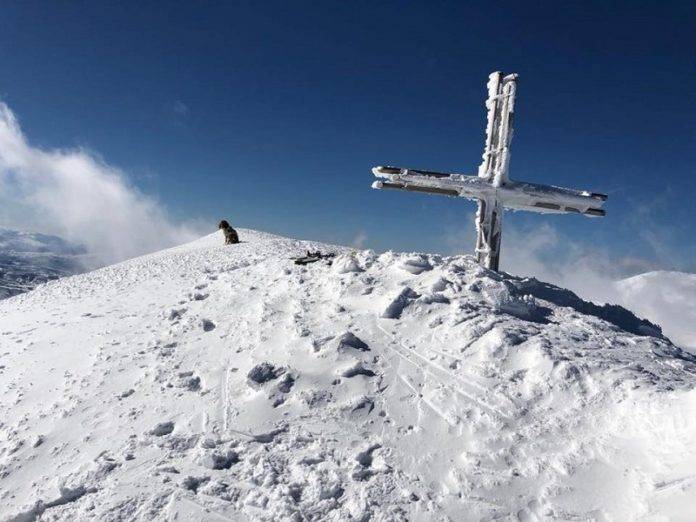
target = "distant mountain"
x: 666, y: 298
x: 28, y: 259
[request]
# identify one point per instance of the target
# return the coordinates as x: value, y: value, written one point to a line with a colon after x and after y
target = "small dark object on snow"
x: 313, y: 257
x: 231, y: 236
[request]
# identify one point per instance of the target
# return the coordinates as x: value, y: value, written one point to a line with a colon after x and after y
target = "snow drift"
x: 205, y: 381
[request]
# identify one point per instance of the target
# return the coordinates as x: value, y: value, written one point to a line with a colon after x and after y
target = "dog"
x: 231, y: 236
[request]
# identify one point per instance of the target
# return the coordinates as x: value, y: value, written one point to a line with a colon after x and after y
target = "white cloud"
x: 179, y: 113
x: 76, y: 195
x: 180, y: 108
x: 549, y: 256
x: 359, y: 240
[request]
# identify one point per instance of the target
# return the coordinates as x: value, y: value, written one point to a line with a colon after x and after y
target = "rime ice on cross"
x: 492, y: 188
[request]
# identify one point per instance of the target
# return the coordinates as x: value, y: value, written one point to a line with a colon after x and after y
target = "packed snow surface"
x: 211, y: 382
x: 668, y: 298
x: 29, y: 259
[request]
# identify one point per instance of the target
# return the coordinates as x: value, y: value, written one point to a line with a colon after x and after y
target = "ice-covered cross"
x: 492, y: 188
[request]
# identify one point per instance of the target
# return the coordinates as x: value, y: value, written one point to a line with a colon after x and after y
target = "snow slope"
x: 29, y: 259
x: 668, y: 298
x: 208, y: 382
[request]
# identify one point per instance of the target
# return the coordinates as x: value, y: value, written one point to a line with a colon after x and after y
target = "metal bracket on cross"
x: 492, y: 188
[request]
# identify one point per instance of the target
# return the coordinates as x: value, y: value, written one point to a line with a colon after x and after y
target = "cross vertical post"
x: 494, y: 167
x: 488, y: 232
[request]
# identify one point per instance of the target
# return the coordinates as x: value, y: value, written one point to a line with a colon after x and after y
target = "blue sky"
x: 272, y: 114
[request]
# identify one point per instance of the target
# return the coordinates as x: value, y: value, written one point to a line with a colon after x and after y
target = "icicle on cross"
x: 492, y: 188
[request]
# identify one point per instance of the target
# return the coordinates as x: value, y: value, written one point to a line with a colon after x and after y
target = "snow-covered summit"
x: 207, y: 382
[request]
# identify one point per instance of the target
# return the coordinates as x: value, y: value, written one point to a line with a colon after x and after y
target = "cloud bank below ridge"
x: 76, y: 195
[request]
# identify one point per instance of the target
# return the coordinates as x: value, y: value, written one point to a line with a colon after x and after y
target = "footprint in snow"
x: 192, y: 483
x: 399, y: 303
x: 189, y: 381
x: 357, y: 369
x: 319, y: 342
x: 416, y: 265
x: 270, y: 436
x: 365, y: 468
x: 126, y: 393
x: 207, y: 325
x: 176, y: 313
x: 359, y: 407
x: 349, y: 341
x: 165, y: 350
x: 278, y: 394
x: 218, y: 458
x: 263, y: 373
x: 364, y: 458
x: 163, y: 428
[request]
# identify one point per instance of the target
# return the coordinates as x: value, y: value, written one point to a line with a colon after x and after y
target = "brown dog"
x: 231, y: 236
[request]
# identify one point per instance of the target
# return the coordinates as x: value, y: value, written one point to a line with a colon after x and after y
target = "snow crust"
x: 210, y: 382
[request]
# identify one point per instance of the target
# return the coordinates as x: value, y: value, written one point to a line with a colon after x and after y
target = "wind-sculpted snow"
x: 212, y: 382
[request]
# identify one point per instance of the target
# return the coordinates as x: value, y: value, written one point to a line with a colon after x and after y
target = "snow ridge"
x: 208, y: 381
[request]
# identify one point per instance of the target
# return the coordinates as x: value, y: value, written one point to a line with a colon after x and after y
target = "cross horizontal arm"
x: 512, y: 195
x: 549, y: 199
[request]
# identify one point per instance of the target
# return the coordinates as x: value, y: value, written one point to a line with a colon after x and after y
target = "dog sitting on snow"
x: 231, y: 236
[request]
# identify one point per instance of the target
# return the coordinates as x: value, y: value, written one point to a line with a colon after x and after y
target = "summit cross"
x: 492, y: 188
